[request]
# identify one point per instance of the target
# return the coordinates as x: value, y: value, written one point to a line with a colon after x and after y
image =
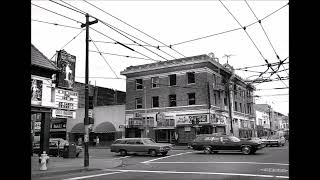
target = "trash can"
x: 69, y: 151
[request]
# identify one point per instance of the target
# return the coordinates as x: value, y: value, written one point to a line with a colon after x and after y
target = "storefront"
x: 165, y: 129
x: 58, y: 128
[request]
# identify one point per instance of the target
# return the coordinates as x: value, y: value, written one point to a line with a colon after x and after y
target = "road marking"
x: 280, y: 164
x: 208, y: 173
x: 90, y: 176
x: 274, y: 170
x: 166, y: 157
x: 122, y: 157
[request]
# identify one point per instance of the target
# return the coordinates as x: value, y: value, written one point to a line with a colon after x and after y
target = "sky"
x: 172, y: 23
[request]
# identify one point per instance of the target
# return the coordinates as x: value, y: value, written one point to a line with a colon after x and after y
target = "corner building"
x: 175, y: 100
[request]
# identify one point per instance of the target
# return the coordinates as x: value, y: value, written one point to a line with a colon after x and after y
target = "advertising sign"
x: 65, y: 99
x: 66, y: 63
x: 36, y: 91
x: 187, y: 119
x: 60, y: 125
x: 37, y: 125
x: 61, y: 113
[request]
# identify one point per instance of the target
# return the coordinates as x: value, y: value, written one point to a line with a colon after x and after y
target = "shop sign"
x: 61, y: 125
x: 65, y: 99
x: 36, y: 91
x: 66, y: 63
x: 187, y: 128
x: 187, y: 119
x: 37, y: 125
x: 60, y: 113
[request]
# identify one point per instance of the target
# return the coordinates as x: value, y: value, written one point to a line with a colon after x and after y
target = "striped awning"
x: 105, y: 127
x: 78, y: 128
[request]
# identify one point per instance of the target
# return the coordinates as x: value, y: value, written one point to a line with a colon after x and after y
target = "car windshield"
x: 149, y: 141
x: 234, y: 139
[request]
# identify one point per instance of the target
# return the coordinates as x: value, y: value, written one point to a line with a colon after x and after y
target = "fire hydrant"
x: 43, y: 160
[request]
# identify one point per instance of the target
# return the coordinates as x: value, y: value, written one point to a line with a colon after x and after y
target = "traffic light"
x: 90, y: 102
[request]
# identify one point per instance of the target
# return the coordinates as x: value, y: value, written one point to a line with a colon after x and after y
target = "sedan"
x: 274, y: 140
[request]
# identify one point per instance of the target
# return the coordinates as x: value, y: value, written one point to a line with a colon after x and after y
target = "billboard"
x: 36, y: 91
x: 67, y: 65
x: 66, y: 99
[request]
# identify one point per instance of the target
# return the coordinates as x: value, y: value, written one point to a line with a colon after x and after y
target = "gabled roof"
x: 38, y: 59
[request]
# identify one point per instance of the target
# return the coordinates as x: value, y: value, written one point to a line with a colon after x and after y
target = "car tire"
x: 77, y: 155
x: 153, y: 152
x: 207, y: 150
x: 123, y: 152
x: 164, y: 153
x: 246, y: 150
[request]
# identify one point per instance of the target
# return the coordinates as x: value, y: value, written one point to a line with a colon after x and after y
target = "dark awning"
x: 105, y: 127
x: 78, y: 128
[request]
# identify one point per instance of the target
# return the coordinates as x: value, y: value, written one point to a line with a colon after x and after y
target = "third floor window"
x: 172, y: 80
x: 139, y: 84
x: 191, y: 77
x: 155, y: 82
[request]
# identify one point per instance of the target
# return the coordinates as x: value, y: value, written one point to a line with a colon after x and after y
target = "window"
x: 240, y: 107
x: 172, y: 80
x: 235, y: 106
x: 138, y: 103
x: 191, y: 77
x: 139, y: 84
x: 234, y: 139
x: 215, y: 99
x: 225, y: 101
x: 214, y: 81
x: 155, y: 82
x: 235, y: 89
x: 172, y: 100
x: 155, y: 101
x: 192, y: 98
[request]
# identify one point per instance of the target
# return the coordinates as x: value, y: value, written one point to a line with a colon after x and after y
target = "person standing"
x: 97, y: 141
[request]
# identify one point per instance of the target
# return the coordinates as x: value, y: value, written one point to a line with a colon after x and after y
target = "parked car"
x: 212, y: 143
x: 274, y: 140
x: 256, y: 139
x: 53, y: 146
x: 139, y: 145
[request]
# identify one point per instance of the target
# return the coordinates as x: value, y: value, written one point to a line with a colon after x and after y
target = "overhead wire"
x: 67, y: 7
x: 56, y: 24
x: 121, y: 55
x: 104, y: 58
x: 133, y: 27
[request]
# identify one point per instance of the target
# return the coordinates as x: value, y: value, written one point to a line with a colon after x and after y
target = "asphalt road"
x: 268, y: 163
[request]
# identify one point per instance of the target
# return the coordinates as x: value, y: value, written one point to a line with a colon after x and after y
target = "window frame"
x: 171, y: 80
x: 175, y: 100
x: 152, y: 99
x: 157, y: 83
x: 188, y: 77
x: 136, y: 103
x: 191, y: 99
x: 138, y: 84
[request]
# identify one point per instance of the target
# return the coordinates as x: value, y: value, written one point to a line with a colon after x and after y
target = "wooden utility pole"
x: 86, y: 107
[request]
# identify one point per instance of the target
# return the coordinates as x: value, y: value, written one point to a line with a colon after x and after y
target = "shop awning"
x: 105, y: 127
x: 78, y: 128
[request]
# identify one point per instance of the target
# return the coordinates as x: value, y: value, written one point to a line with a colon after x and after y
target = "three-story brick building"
x: 172, y: 101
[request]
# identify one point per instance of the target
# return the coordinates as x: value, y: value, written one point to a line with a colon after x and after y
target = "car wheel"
x: 77, y: 155
x: 123, y: 152
x: 153, y: 153
x: 164, y: 153
x: 246, y: 150
x: 207, y: 150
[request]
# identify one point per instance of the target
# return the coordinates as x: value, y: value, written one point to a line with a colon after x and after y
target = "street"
x: 268, y: 163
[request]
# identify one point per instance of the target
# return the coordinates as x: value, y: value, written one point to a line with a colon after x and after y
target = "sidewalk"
x: 59, y: 165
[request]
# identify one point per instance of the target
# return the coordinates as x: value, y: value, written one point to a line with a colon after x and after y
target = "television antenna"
x: 228, y: 55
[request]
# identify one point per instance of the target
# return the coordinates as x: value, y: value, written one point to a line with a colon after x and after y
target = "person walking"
x: 97, y: 141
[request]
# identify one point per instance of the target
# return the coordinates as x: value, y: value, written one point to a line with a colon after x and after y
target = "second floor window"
x: 225, y: 101
x: 192, y: 98
x: 191, y: 77
x: 138, y: 103
x: 139, y: 84
x: 155, y: 82
x: 235, y: 106
x: 240, y: 107
x: 155, y: 101
x: 172, y: 100
x: 172, y: 80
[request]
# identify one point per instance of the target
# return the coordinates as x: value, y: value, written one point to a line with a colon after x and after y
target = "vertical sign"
x: 36, y: 91
x: 66, y: 63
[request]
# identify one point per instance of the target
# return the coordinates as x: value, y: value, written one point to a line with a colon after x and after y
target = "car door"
x: 130, y: 145
x: 227, y: 144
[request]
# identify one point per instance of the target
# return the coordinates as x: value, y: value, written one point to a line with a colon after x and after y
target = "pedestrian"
x: 79, y: 141
x: 97, y: 141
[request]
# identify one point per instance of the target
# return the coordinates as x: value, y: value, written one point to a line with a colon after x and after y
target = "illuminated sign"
x: 66, y: 63
x: 60, y: 113
x: 65, y: 99
x: 187, y: 119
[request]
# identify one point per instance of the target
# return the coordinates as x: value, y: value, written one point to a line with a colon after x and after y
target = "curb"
x: 63, y: 172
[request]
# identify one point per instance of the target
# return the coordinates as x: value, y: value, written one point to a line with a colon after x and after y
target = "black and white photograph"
x: 136, y: 89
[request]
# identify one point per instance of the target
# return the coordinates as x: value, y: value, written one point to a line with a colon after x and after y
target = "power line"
x: 57, y: 13
x: 102, y: 77
x: 69, y: 42
x: 125, y: 56
x: 120, y: 43
x: 134, y: 28
x: 68, y: 7
x: 56, y: 24
x: 272, y: 64
x: 103, y: 57
x: 272, y: 95
x: 271, y: 89
x: 73, y: 7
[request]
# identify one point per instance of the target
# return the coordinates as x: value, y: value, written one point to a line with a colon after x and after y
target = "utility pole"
x: 86, y: 107
x: 230, y: 99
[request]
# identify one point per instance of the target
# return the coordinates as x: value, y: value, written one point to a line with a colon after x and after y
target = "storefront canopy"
x: 78, y: 128
x: 105, y: 127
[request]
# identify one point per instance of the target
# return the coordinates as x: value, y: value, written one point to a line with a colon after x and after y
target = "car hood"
x: 161, y: 144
